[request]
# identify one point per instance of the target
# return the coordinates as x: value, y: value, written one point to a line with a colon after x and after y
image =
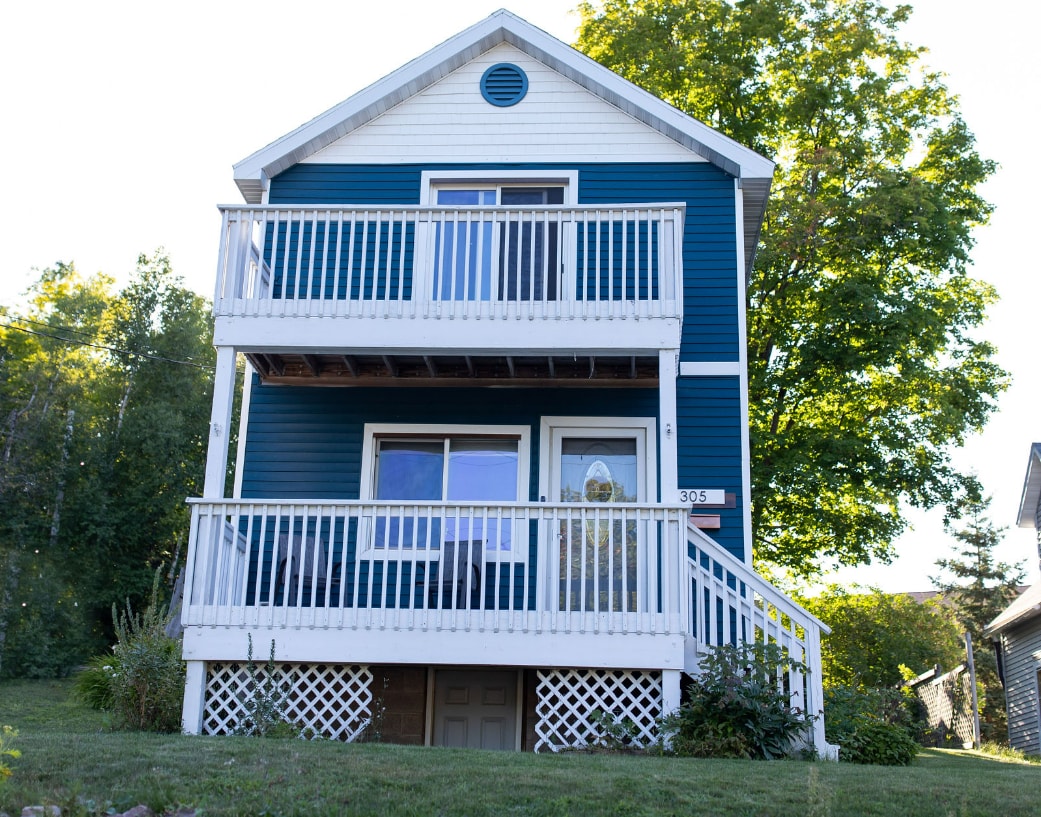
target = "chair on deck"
x: 301, y: 568
x: 459, y: 576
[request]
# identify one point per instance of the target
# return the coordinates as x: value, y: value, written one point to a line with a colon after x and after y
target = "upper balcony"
x: 546, y: 280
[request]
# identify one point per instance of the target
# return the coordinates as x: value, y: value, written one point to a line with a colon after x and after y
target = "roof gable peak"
x: 252, y: 173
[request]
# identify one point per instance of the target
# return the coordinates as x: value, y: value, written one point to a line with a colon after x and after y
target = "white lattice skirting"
x: 567, y: 699
x: 334, y: 700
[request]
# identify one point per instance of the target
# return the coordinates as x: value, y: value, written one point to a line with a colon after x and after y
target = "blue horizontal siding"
x: 305, y: 443
x: 708, y: 444
x: 710, y: 261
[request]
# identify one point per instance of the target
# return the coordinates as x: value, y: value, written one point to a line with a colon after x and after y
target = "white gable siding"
x: 451, y: 122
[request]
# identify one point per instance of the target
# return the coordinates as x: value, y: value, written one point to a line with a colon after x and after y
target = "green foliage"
x: 873, y: 634
x: 876, y: 742
x: 846, y: 707
x: 148, y: 681
x: 94, y: 684
x: 864, y: 374
x: 265, y: 707
x: 612, y: 733
x: 7, y: 751
x: 103, y: 419
x: 738, y: 708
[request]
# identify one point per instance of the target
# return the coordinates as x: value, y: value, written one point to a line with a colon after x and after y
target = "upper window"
x: 481, y: 257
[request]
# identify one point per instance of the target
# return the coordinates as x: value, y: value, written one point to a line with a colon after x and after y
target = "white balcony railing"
x: 348, y: 564
x: 554, y: 262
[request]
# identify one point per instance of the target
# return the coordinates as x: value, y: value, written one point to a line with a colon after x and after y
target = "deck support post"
x: 670, y: 691
x: 194, y: 697
x: 220, y: 420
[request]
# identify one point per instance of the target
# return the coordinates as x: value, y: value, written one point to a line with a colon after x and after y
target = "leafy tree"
x: 104, y: 405
x: 863, y: 372
x: 46, y: 397
x: 979, y: 587
x: 874, y: 634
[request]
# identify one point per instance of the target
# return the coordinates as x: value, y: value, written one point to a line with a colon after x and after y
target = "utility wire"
x: 113, y: 349
x: 52, y: 326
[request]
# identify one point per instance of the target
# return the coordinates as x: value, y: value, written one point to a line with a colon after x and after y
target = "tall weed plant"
x: 142, y: 682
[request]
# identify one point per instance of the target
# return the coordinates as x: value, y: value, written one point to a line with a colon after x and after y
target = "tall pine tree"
x: 978, y: 587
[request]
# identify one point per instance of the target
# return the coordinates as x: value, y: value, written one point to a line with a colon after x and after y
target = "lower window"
x: 477, y: 470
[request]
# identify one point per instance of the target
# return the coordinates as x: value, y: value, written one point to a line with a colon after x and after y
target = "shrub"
x: 148, y: 677
x: 846, y: 706
x: 873, y: 725
x: 737, y: 707
x: 94, y: 684
x: 875, y: 741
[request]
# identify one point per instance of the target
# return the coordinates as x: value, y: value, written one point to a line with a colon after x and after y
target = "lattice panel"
x: 948, y: 704
x: 566, y: 700
x: 334, y: 700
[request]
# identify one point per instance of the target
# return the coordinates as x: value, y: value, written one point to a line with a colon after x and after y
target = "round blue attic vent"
x: 504, y: 84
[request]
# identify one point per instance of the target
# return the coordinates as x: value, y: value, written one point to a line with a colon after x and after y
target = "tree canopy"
x: 104, y: 403
x: 875, y: 634
x: 864, y: 374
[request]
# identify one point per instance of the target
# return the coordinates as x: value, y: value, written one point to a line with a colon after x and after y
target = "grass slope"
x: 69, y: 758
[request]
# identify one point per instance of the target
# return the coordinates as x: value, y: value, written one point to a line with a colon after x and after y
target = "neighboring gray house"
x: 1016, y: 633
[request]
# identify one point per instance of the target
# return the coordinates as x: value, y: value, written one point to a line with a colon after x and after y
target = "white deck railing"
x: 346, y: 564
x: 553, y: 262
x: 731, y: 604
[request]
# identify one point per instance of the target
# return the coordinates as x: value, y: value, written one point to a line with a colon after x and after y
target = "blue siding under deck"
x: 305, y: 443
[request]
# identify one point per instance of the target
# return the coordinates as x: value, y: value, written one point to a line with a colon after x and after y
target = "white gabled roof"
x: 754, y: 171
x: 1031, y: 489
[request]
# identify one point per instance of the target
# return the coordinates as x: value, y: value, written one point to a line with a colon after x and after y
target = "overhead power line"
x: 113, y: 349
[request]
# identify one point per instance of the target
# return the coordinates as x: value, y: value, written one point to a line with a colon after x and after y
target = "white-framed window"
x: 454, y: 465
x: 479, y: 255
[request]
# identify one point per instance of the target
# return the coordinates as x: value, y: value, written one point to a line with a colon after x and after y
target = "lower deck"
x: 590, y: 603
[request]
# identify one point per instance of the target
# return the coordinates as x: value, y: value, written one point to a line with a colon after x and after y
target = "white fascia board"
x: 251, y: 173
x: 1031, y: 489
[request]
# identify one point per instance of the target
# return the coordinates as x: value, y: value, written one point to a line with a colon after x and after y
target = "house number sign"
x: 702, y: 496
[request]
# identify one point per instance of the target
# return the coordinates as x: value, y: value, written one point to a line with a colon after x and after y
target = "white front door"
x: 601, y: 561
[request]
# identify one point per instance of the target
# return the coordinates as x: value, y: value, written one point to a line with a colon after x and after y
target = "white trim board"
x: 720, y: 368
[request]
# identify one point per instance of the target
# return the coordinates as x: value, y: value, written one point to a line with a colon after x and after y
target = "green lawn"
x: 71, y: 759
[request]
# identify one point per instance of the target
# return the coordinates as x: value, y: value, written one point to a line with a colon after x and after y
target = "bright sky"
x: 122, y: 121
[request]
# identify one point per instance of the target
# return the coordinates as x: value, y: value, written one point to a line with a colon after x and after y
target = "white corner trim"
x: 714, y: 368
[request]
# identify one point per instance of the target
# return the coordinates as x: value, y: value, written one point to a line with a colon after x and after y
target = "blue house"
x: 492, y: 475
